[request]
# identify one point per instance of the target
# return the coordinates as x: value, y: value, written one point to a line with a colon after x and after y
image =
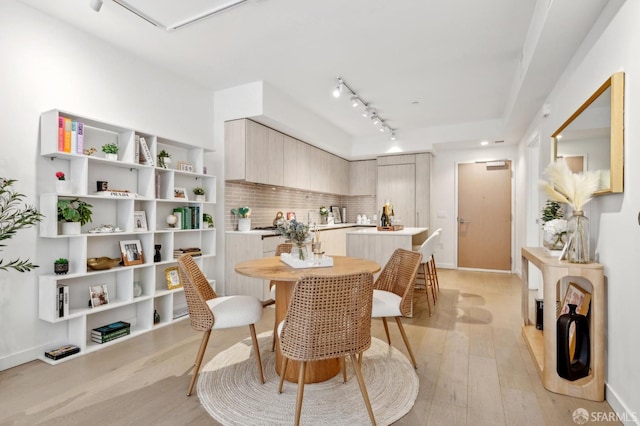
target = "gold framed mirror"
x: 593, y: 137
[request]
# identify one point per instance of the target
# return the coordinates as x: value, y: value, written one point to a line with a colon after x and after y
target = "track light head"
x: 393, y: 135
x: 95, y: 5
x: 366, y: 112
x: 374, y: 119
x: 339, y: 90
x: 355, y: 101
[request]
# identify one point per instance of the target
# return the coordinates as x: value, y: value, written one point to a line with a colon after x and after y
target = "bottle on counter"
x: 384, y: 218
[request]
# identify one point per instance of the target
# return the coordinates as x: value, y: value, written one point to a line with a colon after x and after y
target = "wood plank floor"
x: 473, y: 365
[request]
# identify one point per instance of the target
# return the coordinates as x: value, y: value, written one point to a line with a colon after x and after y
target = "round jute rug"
x: 229, y: 389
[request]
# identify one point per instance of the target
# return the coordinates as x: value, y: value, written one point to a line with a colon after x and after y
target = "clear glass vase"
x: 578, y: 228
x: 300, y: 250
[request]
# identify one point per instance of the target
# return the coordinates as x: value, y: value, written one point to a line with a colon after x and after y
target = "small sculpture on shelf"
x: 164, y: 158
x: 157, y: 257
x: 172, y: 220
x: 61, y: 266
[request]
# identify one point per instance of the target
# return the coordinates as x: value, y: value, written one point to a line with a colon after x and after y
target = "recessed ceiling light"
x: 415, y: 102
x: 484, y: 143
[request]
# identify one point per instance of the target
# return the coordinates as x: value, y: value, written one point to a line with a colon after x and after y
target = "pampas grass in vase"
x: 576, y: 190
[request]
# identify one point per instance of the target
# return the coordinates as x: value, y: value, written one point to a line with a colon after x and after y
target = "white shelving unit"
x: 154, y: 189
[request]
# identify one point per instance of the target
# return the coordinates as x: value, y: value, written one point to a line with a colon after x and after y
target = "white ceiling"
x: 423, y: 64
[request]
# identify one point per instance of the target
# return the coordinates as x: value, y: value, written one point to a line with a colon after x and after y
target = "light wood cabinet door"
x: 423, y: 185
x: 304, y: 166
x: 257, y: 150
x: 234, y: 149
x: 291, y: 162
x: 275, y: 164
x: 362, y: 177
x: 397, y: 183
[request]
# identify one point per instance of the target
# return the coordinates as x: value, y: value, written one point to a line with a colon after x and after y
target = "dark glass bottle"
x: 573, y: 327
x: 384, y: 219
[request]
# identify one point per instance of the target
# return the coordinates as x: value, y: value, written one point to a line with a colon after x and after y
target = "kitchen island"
x: 369, y: 243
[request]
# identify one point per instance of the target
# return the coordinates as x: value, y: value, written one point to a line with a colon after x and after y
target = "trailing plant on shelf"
x: 13, y: 218
x: 74, y: 210
x: 208, y: 219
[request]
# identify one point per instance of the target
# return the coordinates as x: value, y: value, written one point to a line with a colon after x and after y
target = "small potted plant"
x: 61, y: 266
x: 208, y: 219
x: 164, y: 158
x: 73, y: 213
x: 244, y: 221
x: 199, y: 193
x: 63, y: 186
x: 324, y: 214
x: 110, y: 151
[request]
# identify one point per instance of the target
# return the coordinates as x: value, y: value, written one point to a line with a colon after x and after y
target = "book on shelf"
x: 80, y: 136
x: 74, y: 136
x: 111, y: 336
x: 61, y: 134
x: 136, y: 150
x: 193, y: 251
x: 63, y: 301
x: 110, y: 328
x: 144, y: 149
x: 67, y: 134
x: 62, y: 351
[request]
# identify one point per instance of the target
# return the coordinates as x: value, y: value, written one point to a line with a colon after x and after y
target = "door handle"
x: 463, y: 220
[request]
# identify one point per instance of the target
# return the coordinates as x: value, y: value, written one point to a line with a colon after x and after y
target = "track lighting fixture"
x: 368, y: 112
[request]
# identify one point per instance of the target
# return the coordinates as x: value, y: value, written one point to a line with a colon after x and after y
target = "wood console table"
x: 542, y: 345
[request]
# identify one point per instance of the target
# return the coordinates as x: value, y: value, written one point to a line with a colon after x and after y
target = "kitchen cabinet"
x: 334, y: 241
x: 362, y: 177
x: 404, y: 181
x: 253, y: 153
x: 243, y: 246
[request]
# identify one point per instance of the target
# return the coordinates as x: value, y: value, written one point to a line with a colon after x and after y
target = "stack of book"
x: 70, y: 135
x: 188, y: 217
x: 193, y: 251
x: 62, y: 352
x: 109, y: 332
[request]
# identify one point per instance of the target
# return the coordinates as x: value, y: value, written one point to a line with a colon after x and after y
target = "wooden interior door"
x: 484, y: 216
x: 397, y: 183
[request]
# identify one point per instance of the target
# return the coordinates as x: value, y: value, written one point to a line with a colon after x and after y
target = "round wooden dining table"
x: 285, y: 276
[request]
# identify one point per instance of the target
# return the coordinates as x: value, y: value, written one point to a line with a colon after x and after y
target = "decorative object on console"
x: 110, y: 151
x: 299, y: 235
x: 576, y: 190
x: 555, y: 228
x: 14, y: 218
x: 198, y: 191
x: 73, y: 213
x: 131, y: 251
x: 101, y: 263
x: 573, y: 330
x: 61, y: 266
x: 244, y: 221
x: 164, y: 158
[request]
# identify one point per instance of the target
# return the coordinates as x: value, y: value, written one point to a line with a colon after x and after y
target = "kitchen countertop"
x: 271, y: 233
x: 374, y: 231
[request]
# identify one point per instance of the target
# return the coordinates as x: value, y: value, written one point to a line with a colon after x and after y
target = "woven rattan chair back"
x: 197, y: 291
x: 328, y: 317
x: 283, y: 248
x: 399, y: 275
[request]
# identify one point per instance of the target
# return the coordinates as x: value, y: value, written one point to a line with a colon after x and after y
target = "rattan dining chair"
x: 426, y: 271
x: 280, y: 248
x: 393, y: 292
x: 328, y: 317
x: 208, y: 312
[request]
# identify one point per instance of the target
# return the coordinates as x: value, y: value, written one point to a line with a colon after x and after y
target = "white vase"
x: 112, y: 157
x: 64, y: 187
x: 201, y: 198
x: 71, y: 228
x: 244, y: 224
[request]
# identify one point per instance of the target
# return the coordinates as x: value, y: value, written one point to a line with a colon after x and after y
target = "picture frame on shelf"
x: 578, y: 296
x: 180, y: 193
x: 173, y: 278
x: 140, y: 221
x: 336, y: 214
x: 99, y: 295
x: 185, y: 166
x: 131, y: 251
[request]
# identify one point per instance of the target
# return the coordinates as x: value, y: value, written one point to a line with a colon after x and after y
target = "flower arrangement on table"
x: 299, y: 235
x: 554, y: 226
x: 576, y: 190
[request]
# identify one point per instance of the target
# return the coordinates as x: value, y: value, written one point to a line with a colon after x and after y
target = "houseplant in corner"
x: 73, y: 213
x: 61, y: 266
x: 198, y: 191
x: 110, y: 151
x: 244, y: 221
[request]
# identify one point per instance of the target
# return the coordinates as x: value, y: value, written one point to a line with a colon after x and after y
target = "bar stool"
x: 427, y: 271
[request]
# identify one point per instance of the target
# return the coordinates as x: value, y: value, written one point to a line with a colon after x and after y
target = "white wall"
x: 444, y: 192
x: 614, y: 218
x: 48, y: 65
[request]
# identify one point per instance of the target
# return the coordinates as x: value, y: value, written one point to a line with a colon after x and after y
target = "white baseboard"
x: 625, y: 415
x: 19, y: 358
